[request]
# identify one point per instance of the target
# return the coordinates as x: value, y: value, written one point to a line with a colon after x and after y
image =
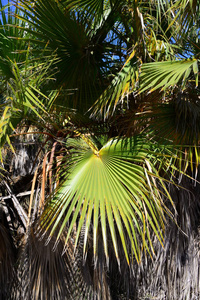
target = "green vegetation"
x: 99, y: 137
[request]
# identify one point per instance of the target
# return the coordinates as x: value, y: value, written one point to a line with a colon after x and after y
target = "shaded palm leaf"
x: 44, y: 273
x: 177, y: 120
x: 83, y: 49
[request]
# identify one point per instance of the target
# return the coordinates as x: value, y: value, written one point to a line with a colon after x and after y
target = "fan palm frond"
x: 92, y: 6
x: 83, y: 49
x: 168, y: 74
x: 177, y: 120
x: 114, y: 190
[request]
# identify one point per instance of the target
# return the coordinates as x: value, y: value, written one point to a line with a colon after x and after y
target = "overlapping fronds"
x: 83, y: 49
x: 23, y: 97
x: 12, y: 48
x: 118, y: 91
x: 186, y: 13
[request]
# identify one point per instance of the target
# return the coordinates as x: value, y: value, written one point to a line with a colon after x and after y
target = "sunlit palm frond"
x: 92, y: 6
x: 118, y: 91
x: 125, y: 83
x: 103, y: 200
x: 113, y: 190
x: 168, y: 74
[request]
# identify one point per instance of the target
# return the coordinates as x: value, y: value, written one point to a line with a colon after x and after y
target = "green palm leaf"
x: 168, y: 74
x: 90, y: 5
x: 83, y: 47
x: 23, y: 98
x: 119, y: 89
x: 12, y: 47
x: 113, y: 191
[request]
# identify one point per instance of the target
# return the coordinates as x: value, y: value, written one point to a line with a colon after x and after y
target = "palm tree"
x: 114, y: 101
